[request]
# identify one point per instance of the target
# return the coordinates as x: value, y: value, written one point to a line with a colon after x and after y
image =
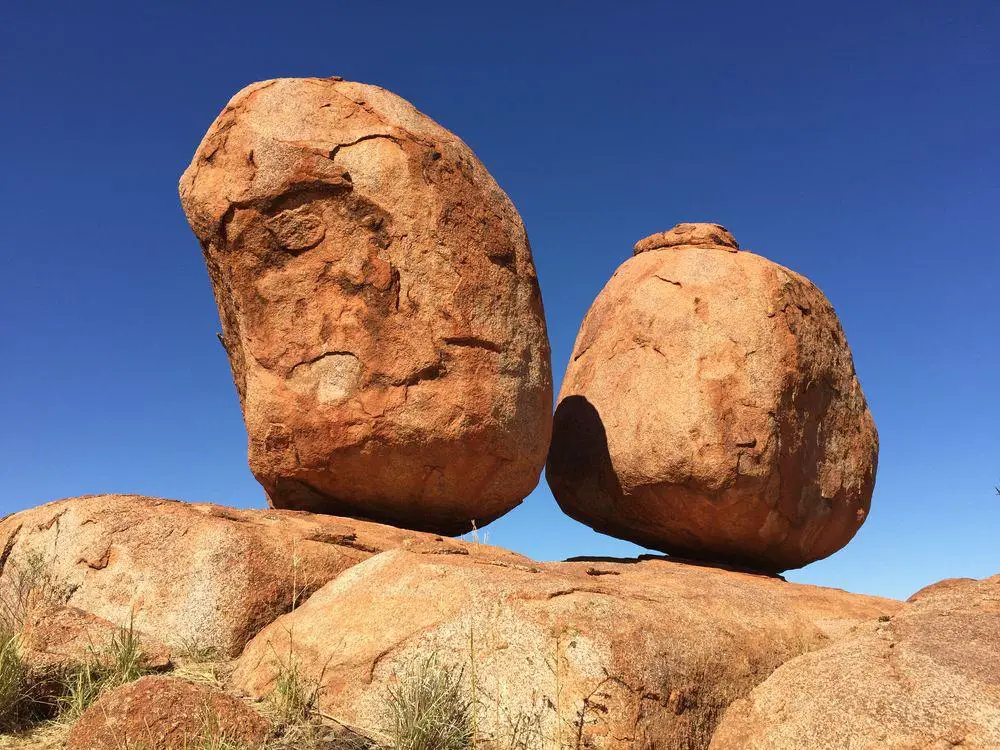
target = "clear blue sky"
x: 855, y: 142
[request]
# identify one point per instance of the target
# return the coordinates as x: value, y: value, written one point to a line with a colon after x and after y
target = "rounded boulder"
x: 711, y: 409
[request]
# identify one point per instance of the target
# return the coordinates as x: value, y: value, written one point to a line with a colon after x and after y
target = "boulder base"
x: 600, y: 653
x: 186, y: 574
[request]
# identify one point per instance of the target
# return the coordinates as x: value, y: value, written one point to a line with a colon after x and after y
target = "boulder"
x: 927, y: 678
x: 57, y: 636
x: 597, y: 653
x: 711, y: 409
x: 188, y: 575
x: 162, y: 713
x: 379, y: 307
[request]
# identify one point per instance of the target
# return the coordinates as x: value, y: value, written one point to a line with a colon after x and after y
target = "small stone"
x: 162, y: 713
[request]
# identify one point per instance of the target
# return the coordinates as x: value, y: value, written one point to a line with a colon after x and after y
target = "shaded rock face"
x: 379, y: 306
x: 598, y: 653
x: 711, y: 409
x: 160, y: 713
x: 186, y: 574
x: 927, y: 678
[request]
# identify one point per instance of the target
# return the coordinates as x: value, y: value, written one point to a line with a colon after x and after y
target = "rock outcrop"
x: 711, y: 409
x: 187, y: 573
x: 379, y: 306
x: 57, y: 637
x: 162, y: 713
x: 928, y: 677
x: 598, y: 653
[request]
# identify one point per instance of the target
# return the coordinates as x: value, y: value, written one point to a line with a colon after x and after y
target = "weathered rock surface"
x: 620, y: 654
x: 162, y: 713
x: 58, y: 636
x: 711, y: 409
x: 928, y: 678
x: 379, y: 306
x: 187, y: 573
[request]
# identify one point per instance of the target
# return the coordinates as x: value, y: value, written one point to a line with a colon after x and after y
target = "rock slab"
x: 187, y: 574
x: 57, y: 637
x: 927, y: 678
x: 379, y: 307
x: 711, y: 409
x: 596, y: 653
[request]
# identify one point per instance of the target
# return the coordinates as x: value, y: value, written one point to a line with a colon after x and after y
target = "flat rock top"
x: 689, y: 235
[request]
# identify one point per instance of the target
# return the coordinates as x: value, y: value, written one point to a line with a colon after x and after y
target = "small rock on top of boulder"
x: 379, y: 306
x: 711, y: 409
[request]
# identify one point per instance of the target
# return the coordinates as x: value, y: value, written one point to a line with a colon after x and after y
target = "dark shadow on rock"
x: 579, y: 469
x: 674, y: 559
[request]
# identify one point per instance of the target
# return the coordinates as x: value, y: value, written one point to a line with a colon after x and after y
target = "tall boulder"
x: 928, y: 677
x: 379, y: 307
x: 711, y: 409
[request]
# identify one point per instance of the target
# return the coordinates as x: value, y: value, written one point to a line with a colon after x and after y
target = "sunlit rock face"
x: 379, y: 307
x: 711, y: 409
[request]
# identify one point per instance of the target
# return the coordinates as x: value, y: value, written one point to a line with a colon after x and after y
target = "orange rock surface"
x: 379, y: 306
x: 926, y: 678
x: 620, y: 653
x: 162, y: 713
x: 711, y: 409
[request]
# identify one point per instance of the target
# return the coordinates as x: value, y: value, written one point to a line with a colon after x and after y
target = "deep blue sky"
x: 855, y: 142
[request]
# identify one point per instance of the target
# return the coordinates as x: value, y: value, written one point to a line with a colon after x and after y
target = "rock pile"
x: 383, y: 322
x: 379, y: 307
x: 711, y: 409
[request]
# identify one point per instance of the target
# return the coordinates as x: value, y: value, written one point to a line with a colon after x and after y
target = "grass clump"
x: 294, y: 697
x: 429, y: 709
x: 197, y: 651
x: 27, y: 582
x: 216, y: 742
x: 120, y: 662
x: 13, y: 683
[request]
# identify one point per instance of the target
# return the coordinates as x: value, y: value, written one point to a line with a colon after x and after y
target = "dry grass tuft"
x: 121, y: 662
x: 428, y: 708
x: 28, y: 581
x: 14, y: 693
